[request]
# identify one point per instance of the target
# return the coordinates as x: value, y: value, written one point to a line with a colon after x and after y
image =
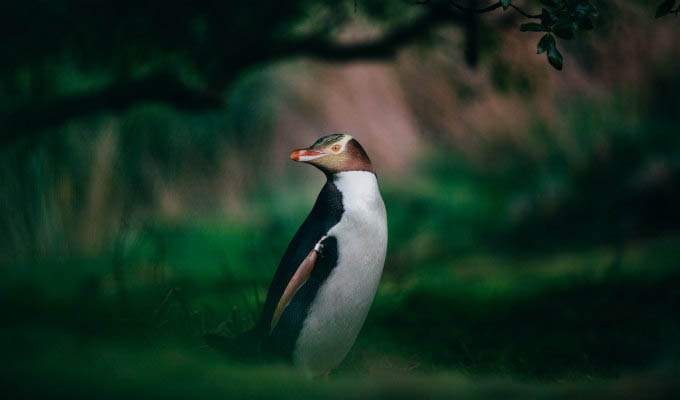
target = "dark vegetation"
x: 535, y: 297
x: 187, y: 55
x: 545, y: 267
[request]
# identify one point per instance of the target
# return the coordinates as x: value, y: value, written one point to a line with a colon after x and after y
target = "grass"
x: 129, y: 322
x: 544, y: 270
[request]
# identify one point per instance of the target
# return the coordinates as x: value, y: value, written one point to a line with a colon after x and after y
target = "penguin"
x: 328, y: 276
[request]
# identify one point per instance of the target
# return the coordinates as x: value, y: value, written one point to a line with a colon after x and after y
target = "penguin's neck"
x: 359, y: 189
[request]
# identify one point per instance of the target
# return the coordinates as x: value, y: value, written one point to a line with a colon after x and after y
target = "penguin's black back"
x: 327, y: 212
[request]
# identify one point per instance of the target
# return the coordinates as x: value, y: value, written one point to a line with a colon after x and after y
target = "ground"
x: 583, y: 322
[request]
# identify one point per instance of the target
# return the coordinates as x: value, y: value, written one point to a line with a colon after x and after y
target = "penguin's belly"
x: 343, y: 301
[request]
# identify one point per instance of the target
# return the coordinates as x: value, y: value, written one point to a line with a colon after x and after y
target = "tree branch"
x: 492, y: 8
x: 162, y: 87
x: 525, y: 14
x: 379, y: 48
x: 165, y: 88
x: 486, y: 9
x: 476, y: 10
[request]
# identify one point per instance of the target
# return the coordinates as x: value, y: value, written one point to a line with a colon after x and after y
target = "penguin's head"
x: 335, y: 153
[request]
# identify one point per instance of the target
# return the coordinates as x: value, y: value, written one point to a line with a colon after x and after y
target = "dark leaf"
x: 564, y: 31
x: 552, y: 3
x: 664, y: 8
x: 547, y: 18
x: 554, y: 56
x: 532, y: 27
x: 505, y: 4
x: 584, y: 8
x: 545, y: 43
x: 585, y: 23
x: 571, y: 4
x: 564, y: 17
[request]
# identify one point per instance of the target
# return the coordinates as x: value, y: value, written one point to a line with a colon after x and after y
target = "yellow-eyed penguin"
x: 329, y: 274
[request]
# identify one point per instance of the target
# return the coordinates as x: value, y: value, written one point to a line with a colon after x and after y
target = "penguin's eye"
x: 335, y: 147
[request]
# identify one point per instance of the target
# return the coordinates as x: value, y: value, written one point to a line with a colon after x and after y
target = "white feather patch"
x: 343, y: 301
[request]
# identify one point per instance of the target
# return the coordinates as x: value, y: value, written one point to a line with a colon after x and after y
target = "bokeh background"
x: 146, y: 195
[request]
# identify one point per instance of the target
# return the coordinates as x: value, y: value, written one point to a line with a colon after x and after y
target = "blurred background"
x: 146, y: 195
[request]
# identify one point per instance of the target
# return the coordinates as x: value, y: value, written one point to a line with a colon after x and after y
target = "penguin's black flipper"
x: 245, y: 347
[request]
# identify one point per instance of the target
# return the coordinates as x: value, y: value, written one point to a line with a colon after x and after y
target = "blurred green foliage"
x: 531, y: 268
x: 521, y: 263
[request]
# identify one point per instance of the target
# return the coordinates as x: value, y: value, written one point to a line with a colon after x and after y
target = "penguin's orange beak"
x: 305, y: 155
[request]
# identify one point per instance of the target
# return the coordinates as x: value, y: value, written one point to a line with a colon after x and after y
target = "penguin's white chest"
x: 342, y: 302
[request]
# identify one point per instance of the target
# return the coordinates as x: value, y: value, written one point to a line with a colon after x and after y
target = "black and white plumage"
x: 320, y: 322
x: 325, y: 214
x: 325, y: 284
